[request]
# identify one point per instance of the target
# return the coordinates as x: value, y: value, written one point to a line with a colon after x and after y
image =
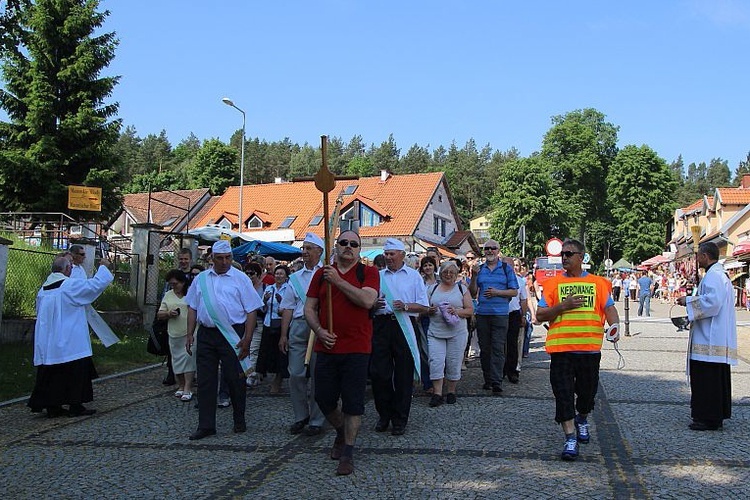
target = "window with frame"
x: 368, y: 217
x: 288, y: 221
x: 254, y: 222
x: 316, y: 220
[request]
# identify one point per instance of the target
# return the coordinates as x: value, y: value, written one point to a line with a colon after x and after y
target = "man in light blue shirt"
x: 645, y: 289
x: 492, y: 284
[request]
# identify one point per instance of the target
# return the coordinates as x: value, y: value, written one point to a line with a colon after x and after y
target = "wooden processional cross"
x: 325, y: 182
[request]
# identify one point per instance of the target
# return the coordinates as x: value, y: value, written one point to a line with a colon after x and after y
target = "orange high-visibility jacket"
x: 581, y: 329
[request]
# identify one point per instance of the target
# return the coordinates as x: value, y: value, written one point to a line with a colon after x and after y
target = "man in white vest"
x: 295, y: 333
x: 713, y: 343
x: 62, y: 345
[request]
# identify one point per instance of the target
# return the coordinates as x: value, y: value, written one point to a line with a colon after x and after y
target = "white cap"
x: 393, y: 244
x: 221, y: 246
x: 314, y: 239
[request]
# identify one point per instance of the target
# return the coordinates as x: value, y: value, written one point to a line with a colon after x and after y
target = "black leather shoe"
x: 497, y: 389
x: 513, y: 378
x: 398, y: 429
x: 700, y: 425
x: 313, y: 430
x: 487, y: 386
x: 240, y: 428
x: 297, y: 427
x: 201, y: 433
x: 80, y: 411
x: 382, y: 425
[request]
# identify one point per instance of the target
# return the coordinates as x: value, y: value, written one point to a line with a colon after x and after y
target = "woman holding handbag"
x: 174, y: 309
x: 450, y: 305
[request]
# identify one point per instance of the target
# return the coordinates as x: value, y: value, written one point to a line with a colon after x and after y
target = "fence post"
x: 148, y: 267
x: 4, y: 244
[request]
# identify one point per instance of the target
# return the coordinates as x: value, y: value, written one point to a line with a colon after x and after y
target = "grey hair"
x: 447, y: 265
x: 60, y: 265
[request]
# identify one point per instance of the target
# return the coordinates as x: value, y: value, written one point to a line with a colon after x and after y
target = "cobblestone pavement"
x: 136, y: 446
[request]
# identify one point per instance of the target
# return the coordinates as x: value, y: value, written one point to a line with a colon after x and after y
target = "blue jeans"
x: 644, y: 304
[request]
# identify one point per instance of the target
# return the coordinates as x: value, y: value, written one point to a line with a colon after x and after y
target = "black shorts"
x: 341, y: 376
x: 575, y: 379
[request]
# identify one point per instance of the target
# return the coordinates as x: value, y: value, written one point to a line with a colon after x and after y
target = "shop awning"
x: 740, y: 248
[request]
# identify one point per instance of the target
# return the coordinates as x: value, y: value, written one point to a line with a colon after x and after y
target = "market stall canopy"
x: 213, y: 232
x: 280, y: 251
x: 622, y: 265
x: 740, y: 248
x: 654, y: 261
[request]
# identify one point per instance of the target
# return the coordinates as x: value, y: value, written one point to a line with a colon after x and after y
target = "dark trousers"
x: 511, y: 345
x: 710, y: 391
x: 391, y: 370
x: 493, y: 332
x: 211, y: 349
x: 616, y: 293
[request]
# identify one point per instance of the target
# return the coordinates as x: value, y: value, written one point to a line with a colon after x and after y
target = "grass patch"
x: 17, y: 371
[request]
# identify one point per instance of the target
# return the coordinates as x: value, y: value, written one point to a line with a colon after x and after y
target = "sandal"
x: 178, y: 394
x: 187, y: 396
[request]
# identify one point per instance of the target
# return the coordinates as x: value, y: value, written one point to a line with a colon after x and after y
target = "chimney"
x: 278, y: 180
x: 745, y: 184
x: 384, y: 175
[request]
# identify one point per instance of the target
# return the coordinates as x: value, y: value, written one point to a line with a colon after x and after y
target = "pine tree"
x: 60, y: 131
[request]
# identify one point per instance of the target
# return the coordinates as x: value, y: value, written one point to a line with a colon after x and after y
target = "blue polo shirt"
x: 500, y: 278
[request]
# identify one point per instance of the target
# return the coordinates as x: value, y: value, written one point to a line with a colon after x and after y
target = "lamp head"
x: 227, y: 101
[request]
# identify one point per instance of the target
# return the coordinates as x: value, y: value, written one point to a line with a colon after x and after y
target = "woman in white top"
x: 255, y: 273
x: 174, y: 308
x: 450, y: 305
x: 270, y: 358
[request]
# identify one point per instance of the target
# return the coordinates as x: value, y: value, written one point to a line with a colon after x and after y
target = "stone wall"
x: 22, y: 330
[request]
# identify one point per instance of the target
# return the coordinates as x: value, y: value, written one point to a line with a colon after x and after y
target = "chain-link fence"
x: 27, y: 270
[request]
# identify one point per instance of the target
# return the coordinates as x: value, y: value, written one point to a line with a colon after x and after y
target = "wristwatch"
x: 406, y: 306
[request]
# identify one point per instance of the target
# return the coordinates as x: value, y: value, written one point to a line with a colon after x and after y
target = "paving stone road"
x: 136, y: 446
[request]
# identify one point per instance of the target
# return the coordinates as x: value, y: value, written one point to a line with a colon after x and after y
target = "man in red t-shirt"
x: 343, y: 352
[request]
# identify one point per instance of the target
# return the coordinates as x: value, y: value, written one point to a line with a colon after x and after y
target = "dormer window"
x: 254, y: 222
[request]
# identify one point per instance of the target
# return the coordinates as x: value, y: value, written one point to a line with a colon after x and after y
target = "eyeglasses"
x: 569, y: 254
x: 82, y: 254
x: 487, y: 249
x: 349, y: 243
x: 251, y: 273
x: 470, y: 257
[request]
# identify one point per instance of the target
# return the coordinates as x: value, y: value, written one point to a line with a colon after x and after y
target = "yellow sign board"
x: 85, y: 198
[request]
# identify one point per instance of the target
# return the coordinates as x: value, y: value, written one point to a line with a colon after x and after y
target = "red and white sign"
x: 553, y: 246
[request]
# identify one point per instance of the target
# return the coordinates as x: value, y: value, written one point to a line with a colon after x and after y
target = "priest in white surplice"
x: 713, y: 343
x: 62, y: 345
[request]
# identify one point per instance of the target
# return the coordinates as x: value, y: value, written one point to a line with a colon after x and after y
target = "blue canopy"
x: 280, y: 251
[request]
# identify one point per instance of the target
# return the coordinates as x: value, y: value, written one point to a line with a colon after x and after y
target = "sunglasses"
x: 569, y: 254
x: 487, y: 249
x: 349, y: 243
x: 251, y: 273
x: 79, y: 254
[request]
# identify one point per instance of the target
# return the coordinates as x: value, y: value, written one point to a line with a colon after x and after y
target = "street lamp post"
x: 229, y: 102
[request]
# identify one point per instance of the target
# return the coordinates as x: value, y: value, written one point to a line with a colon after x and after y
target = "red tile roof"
x: 733, y: 196
x: 165, y: 206
x: 402, y: 198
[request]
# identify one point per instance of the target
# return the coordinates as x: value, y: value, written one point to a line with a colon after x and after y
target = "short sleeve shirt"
x: 500, y: 278
x: 233, y: 291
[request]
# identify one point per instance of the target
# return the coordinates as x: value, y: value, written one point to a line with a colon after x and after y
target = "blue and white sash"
x: 297, y: 285
x: 404, y: 321
x: 220, y: 319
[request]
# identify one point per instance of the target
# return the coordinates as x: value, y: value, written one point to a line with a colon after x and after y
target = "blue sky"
x: 670, y: 73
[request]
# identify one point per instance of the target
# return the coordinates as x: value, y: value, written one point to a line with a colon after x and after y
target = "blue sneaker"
x: 570, y: 451
x: 582, y: 430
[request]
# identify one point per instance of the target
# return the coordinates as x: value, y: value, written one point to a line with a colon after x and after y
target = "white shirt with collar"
x: 290, y: 299
x: 233, y: 291
x: 523, y: 294
x: 406, y: 285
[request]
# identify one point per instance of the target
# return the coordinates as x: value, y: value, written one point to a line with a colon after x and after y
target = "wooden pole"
x: 325, y: 181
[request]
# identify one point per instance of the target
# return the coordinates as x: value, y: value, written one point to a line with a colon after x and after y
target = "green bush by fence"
x: 27, y: 270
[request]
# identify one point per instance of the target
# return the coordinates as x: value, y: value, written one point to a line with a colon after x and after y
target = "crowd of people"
x: 402, y: 322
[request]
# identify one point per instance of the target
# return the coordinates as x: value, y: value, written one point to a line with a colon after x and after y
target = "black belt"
x: 386, y: 317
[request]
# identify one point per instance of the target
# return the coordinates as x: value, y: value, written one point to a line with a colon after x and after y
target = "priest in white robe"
x: 713, y: 343
x: 62, y: 345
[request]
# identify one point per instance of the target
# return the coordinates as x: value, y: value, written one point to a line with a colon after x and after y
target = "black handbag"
x: 158, y: 339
